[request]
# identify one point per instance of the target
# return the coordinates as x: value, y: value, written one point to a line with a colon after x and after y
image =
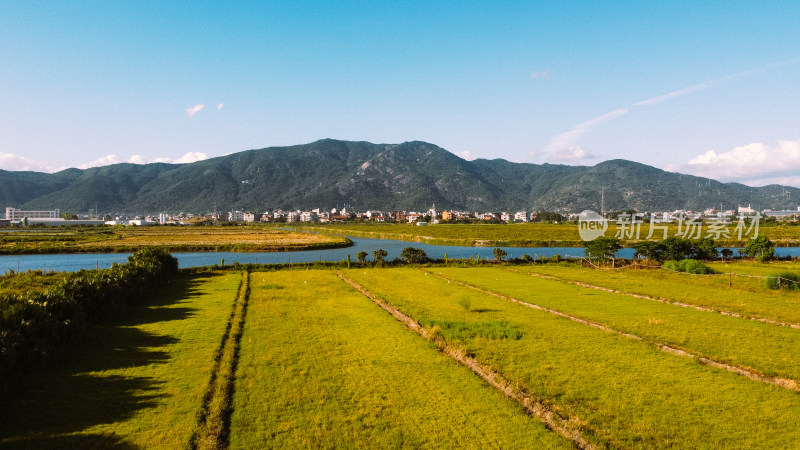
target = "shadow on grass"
x: 47, y: 405
x: 484, y: 310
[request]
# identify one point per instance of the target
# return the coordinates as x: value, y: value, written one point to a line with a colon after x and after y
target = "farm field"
x: 520, y: 234
x: 736, y: 288
x: 766, y: 348
x: 173, y: 239
x: 424, y: 357
x: 138, y: 383
x: 322, y: 366
x: 618, y: 391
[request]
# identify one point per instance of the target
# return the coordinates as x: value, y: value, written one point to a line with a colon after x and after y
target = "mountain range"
x: 410, y: 176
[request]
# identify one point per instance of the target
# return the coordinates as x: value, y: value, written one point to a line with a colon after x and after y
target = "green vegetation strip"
x: 627, y: 393
x: 322, y: 366
x: 629, y: 317
x: 214, y: 421
x: 136, y: 383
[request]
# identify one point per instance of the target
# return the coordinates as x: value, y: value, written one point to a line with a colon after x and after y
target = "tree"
x: 499, y: 254
x: 705, y: 249
x: 69, y: 216
x: 726, y: 253
x: 654, y: 251
x: 361, y: 256
x: 603, y: 248
x: 414, y: 255
x: 760, y: 248
x: 548, y: 216
x: 379, y: 255
x: 676, y: 249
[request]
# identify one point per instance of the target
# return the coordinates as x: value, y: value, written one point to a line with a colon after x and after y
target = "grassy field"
x: 322, y: 366
x: 725, y: 291
x: 306, y: 359
x: 623, y: 392
x: 137, y: 383
x: 520, y: 234
x: 173, y: 239
x: 767, y: 348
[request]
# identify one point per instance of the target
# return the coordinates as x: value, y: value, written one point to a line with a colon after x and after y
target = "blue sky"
x: 710, y: 88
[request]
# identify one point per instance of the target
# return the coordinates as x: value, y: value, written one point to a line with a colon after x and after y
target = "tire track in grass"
x: 663, y: 300
x: 213, y: 425
x: 744, y: 371
x: 552, y: 420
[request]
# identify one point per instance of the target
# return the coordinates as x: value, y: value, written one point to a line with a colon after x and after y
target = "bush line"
x: 34, y: 324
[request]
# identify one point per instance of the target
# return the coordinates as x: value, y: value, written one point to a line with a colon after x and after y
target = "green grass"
x: 741, y: 295
x: 625, y: 393
x: 517, y: 234
x: 768, y: 348
x: 137, y: 382
x: 29, y: 281
x: 323, y: 366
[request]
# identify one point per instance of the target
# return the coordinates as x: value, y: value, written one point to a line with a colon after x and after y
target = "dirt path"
x: 663, y: 300
x: 562, y: 426
x: 214, y: 420
x: 744, y: 371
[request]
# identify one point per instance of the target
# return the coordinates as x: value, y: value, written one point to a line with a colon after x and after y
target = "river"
x: 75, y: 262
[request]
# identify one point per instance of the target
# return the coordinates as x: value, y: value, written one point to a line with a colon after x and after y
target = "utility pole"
x: 603, y: 202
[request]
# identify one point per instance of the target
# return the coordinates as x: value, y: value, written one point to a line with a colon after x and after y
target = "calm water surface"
x: 74, y: 262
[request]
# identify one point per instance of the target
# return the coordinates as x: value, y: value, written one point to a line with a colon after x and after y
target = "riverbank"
x: 171, y: 239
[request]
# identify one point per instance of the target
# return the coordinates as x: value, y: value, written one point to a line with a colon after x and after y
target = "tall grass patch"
x: 789, y: 281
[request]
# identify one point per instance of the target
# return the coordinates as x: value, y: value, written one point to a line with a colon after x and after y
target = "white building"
x: 521, y: 216
x: 236, y: 216
x: 308, y: 216
x: 249, y: 217
x: 18, y: 214
x: 746, y: 210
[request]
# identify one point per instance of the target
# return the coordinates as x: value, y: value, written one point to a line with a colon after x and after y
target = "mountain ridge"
x: 412, y: 175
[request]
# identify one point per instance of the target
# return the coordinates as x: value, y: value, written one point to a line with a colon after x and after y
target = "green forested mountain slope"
x: 411, y: 176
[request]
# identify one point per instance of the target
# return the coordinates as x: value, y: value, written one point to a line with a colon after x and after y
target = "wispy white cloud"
x: 562, y: 143
x: 219, y: 106
x: 573, y: 154
x: 542, y: 74
x: 754, y: 164
x: 191, y: 157
x: 103, y: 161
x: 468, y: 155
x: 9, y: 161
x: 194, y: 109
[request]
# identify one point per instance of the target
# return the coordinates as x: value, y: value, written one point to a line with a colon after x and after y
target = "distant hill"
x: 410, y: 176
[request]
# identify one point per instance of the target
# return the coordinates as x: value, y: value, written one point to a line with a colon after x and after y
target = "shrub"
x: 789, y: 281
x: 694, y: 266
x: 688, y: 266
x: 672, y: 265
